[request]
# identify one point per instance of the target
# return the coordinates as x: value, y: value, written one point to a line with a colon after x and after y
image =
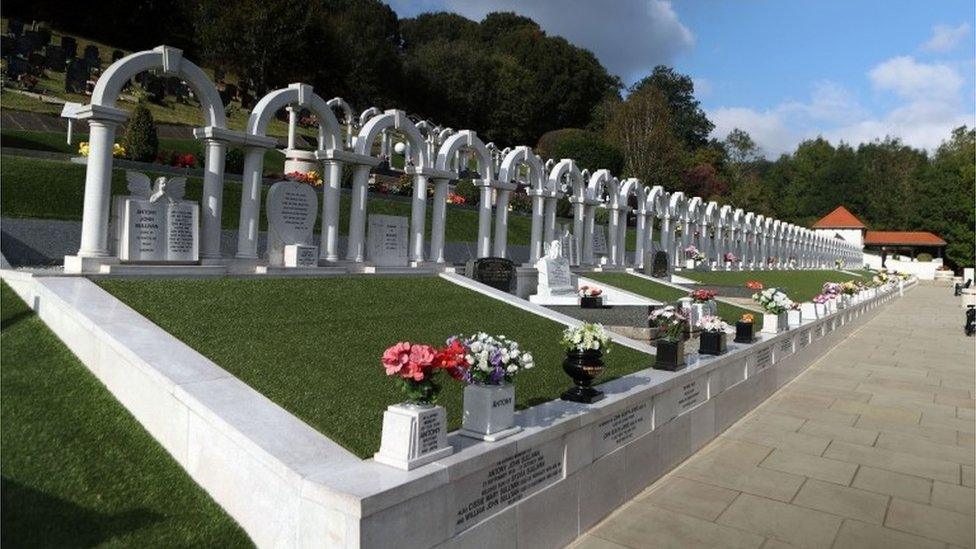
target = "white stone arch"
x: 395, y: 120
x: 508, y: 172
x: 748, y: 240
x: 567, y: 170
x: 655, y: 204
x: 692, y: 212
x: 631, y: 186
x: 461, y: 144
x: 738, y: 215
x: 329, y: 140
x: 673, y: 213
x: 709, y: 222
x: 759, y: 262
x: 103, y: 118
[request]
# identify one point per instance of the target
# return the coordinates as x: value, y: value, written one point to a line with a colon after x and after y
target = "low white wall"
x: 290, y: 486
x: 924, y: 270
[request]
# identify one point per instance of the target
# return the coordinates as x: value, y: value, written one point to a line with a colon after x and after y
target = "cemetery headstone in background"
x: 291, y: 209
x: 54, y: 58
x: 386, y: 241
x: 92, y: 56
x: 70, y: 46
x: 600, y: 241
x: 555, y: 278
x: 154, y: 224
x: 76, y: 76
x: 497, y: 272
x: 660, y: 265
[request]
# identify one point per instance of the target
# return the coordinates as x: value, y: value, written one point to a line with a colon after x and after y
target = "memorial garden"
x: 303, y: 321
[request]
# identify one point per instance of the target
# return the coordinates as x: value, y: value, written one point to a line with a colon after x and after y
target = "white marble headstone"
x: 600, y: 240
x: 158, y: 232
x: 386, y: 241
x: 292, y: 208
x: 555, y: 277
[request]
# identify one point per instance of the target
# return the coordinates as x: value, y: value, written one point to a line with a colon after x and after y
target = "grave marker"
x: 292, y: 209
x: 386, y: 241
x: 155, y: 225
x: 497, y: 272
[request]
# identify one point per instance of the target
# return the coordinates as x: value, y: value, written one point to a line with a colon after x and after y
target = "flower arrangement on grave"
x: 590, y: 291
x: 703, y: 296
x: 730, y: 257
x: 744, y: 329
x: 672, y: 320
x: 692, y: 253
x: 714, y: 335
x: 831, y: 289
x: 455, y: 198
x: 849, y: 287
x: 486, y: 359
x: 822, y: 299
x: 773, y: 301
x: 415, y: 367
x: 585, y: 346
x: 839, y: 263
x: 671, y: 347
x: 118, y: 151
x: 312, y: 178
x: 488, y: 364
x: 754, y: 285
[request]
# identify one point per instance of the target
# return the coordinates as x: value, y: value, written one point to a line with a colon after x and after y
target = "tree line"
x: 514, y: 84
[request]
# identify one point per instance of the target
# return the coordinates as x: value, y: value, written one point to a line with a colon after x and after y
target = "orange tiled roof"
x: 902, y: 238
x: 840, y: 218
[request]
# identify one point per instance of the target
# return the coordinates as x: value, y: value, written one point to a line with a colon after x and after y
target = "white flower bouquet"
x: 712, y: 323
x: 492, y: 359
x: 773, y: 301
x: 586, y: 337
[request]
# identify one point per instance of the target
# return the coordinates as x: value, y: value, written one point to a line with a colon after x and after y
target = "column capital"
x: 215, y: 133
x: 101, y: 114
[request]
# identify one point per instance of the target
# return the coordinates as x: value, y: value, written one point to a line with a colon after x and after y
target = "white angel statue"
x: 172, y: 189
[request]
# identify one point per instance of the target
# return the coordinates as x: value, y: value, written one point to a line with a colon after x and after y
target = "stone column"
x: 641, y: 228
x: 98, y: 189
x: 613, y: 235
x: 550, y: 218
x: 666, y: 239
x: 248, y: 225
x: 587, y: 237
x: 329, y: 244
x: 418, y: 218
x: 292, y: 126
x: 215, y: 153
x: 438, y: 220
x: 500, y: 245
x: 356, y: 245
x: 648, y: 237
x: 538, y: 215
x: 484, y: 221
x: 622, y: 237
x: 579, y: 222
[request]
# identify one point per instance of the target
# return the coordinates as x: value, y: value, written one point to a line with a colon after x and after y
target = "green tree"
x: 688, y: 121
x: 946, y: 200
x: 141, y: 142
x: 641, y: 127
x: 590, y: 150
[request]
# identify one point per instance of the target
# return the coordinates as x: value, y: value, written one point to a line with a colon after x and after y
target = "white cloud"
x: 931, y: 104
x: 911, y: 79
x: 703, y: 87
x: 945, y: 38
x: 629, y: 37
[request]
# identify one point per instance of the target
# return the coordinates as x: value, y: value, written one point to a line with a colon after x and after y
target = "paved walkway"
x: 872, y: 446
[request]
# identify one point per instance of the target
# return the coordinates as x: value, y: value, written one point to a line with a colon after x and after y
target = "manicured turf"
x: 313, y: 345
x: 667, y: 294
x: 78, y: 470
x: 799, y: 285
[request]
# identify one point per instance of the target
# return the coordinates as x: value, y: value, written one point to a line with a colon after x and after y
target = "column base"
x: 76, y: 264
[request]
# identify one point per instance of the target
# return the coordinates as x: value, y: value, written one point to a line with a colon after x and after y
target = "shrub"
x: 466, y: 189
x: 660, y: 266
x: 924, y: 257
x: 589, y: 150
x: 234, y: 162
x: 141, y: 142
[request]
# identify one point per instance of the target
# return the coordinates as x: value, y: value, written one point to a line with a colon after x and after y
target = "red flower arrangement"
x: 701, y: 296
x: 454, y: 198
x: 754, y: 285
x: 176, y: 159
x: 415, y: 367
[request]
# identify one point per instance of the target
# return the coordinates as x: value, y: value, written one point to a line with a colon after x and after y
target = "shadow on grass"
x: 9, y: 321
x: 32, y: 518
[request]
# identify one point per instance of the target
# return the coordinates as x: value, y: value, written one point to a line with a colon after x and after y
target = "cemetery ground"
x: 58, y: 490
x: 799, y: 285
x: 311, y: 345
x: 667, y: 294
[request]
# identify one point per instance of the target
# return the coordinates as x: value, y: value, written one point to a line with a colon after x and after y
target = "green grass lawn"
x: 78, y: 470
x: 313, y: 345
x: 667, y: 294
x: 799, y: 285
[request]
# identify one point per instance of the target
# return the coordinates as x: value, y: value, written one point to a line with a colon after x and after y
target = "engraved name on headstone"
x: 622, y: 427
x: 764, y: 358
x: 154, y: 224
x: 386, y: 241
x: 505, y: 482
x: 292, y: 209
x: 786, y: 347
x: 804, y: 338
x: 600, y: 240
x: 497, y: 272
x: 692, y: 394
x: 555, y: 278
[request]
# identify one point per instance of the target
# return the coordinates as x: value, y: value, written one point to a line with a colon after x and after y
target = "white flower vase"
x: 775, y: 323
x: 712, y: 306
x: 832, y: 305
x: 489, y: 411
x: 413, y: 435
x: 794, y: 317
x: 690, y: 264
x: 698, y: 310
x: 810, y: 309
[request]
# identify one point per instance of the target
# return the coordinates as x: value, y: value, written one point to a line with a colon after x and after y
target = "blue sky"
x: 784, y: 70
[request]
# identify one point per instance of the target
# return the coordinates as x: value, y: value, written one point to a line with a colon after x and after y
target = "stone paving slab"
x: 872, y: 446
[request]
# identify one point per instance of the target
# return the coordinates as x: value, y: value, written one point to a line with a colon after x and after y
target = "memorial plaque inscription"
x: 386, y: 242
x: 692, y: 394
x: 497, y: 272
x: 764, y: 359
x: 804, y: 338
x: 786, y: 347
x: 620, y: 428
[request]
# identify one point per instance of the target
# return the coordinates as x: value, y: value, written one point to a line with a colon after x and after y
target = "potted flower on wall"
x: 714, y: 335
x: 821, y: 302
x: 832, y: 291
x: 415, y: 431
x: 671, y: 345
x: 705, y: 302
x: 693, y: 257
x: 848, y: 292
x: 585, y: 346
x: 745, y: 329
x: 731, y: 260
x: 591, y: 297
x: 775, y: 304
x: 794, y: 315
x: 489, y: 365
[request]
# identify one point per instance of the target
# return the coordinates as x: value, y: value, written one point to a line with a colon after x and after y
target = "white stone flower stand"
x: 413, y: 435
x: 774, y: 324
x: 489, y: 412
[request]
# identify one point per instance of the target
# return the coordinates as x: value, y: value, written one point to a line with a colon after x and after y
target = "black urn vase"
x: 670, y: 355
x: 744, y: 332
x: 591, y: 302
x: 583, y: 367
x: 712, y: 343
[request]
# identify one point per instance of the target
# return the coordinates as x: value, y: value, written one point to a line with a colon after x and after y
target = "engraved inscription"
x: 430, y: 428
x: 692, y: 394
x: 622, y: 427
x: 764, y: 359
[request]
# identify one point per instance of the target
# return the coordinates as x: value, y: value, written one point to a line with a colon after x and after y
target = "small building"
x: 898, y: 250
